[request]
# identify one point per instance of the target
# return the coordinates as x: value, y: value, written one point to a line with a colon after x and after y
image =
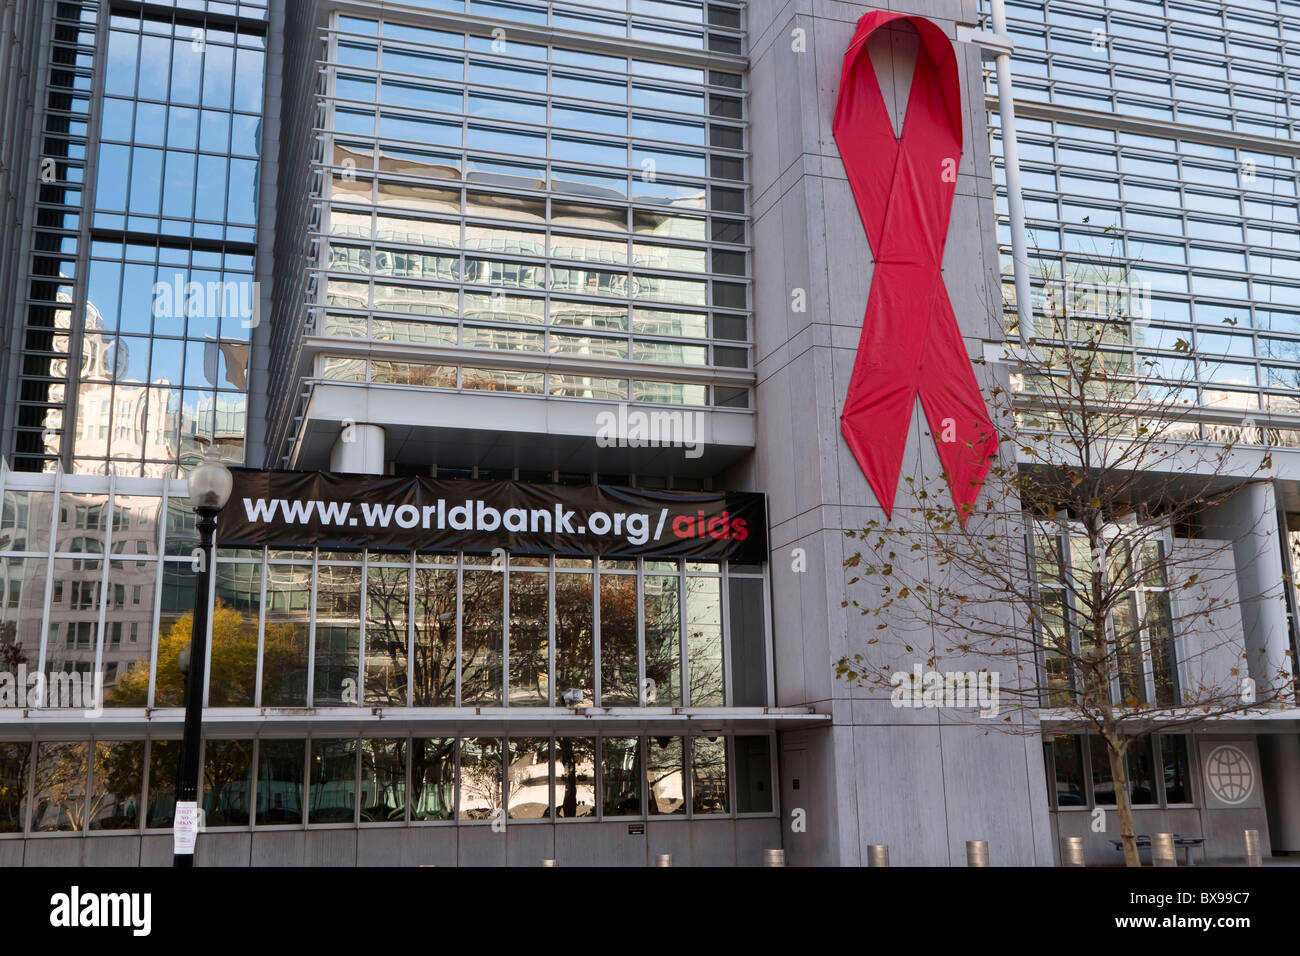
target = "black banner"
x: 297, y: 509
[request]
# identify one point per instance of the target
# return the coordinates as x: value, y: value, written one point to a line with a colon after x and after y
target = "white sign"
x: 186, y: 829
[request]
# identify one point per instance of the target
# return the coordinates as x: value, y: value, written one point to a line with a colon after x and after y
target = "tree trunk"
x: 1123, y: 803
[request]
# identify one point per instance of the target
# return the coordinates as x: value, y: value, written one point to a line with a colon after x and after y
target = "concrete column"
x: 359, y: 450
x: 1249, y: 521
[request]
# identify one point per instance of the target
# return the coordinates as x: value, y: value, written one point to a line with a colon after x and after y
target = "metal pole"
x: 187, y: 780
x: 1162, y: 850
x: 1072, y: 851
x: 977, y: 853
x: 1011, y: 166
x: 1253, y: 855
x: 877, y: 854
x: 774, y: 857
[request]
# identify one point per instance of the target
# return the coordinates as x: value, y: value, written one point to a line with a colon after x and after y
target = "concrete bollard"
x: 977, y: 853
x: 877, y: 854
x: 774, y: 857
x: 1254, y: 856
x: 1162, y: 850
x: 548, y: 862
x: 1072, y: 851
x: 664, y: 859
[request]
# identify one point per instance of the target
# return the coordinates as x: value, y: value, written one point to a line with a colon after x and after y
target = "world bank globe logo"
x: 1229, y: 774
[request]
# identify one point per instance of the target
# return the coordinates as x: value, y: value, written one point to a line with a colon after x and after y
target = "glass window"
x: 480, y: 778
x: 1173, y: 758
x: 332, y: 795
x: 709, y: 775
x: 575, y: 777
x: 433, y: 778
x: 662, y: 641
x: 279, y: 781
x: 118, y: 778
x: 621, y: 776
x: 481, y: 640
x: 573, y: 637
x: 704, y: 641
x: 665, y: 775
x: 59, y: 799
x: 15, y: 762
x: 1103, y: 786
x: 529, y: 638
x: 383, y: 780
x: 754, y: 774
x: 529, y: 778
x: 227, y: 782
x: 285, y: 641
x: 338, y: 636
x: 386, y: 637
x: 618, y: 641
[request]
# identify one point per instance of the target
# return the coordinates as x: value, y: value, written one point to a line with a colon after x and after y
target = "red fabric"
x: 910, y: 341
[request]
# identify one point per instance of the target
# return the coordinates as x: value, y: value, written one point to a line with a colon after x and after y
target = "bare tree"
x: 1095, y: 573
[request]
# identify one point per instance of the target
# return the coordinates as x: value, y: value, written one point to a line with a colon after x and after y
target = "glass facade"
x: 537, y: 218
x: 1158, y: 168
x: 79, y: 785
x: 170, y: 297
x: 104, y: 571
x: 39, y: 414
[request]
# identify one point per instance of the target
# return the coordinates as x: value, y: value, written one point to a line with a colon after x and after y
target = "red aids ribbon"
x: 910, y: 342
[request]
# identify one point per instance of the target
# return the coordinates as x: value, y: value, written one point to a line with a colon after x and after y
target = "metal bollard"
x: 548, y: 862
x: 1253, y: 854
x: 1072, y: 851
x: 1162, y: 850
x: 664, y: 859
x: 774, y: 857
x: 977, y: 853
x: 877, y: 854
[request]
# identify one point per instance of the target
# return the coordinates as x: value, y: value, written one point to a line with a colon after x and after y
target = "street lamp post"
x: 209, y: 487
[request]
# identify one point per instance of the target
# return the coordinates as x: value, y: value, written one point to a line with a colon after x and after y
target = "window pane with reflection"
x: 386, y: 601
x: 618, y: 651
x: 575, y: 777
x: 663, y: 660
x: 338, y: 636
x: 709, y: 775
x: 116, y: 785
x: 573, y: 635
x: 383, y: 781
x: 433, y: 778
x: 227, y: 782
x: 665, y: 775
x: 529, y: 638
x: 279, y: 781
x: 435, y: 637
x: 480, y: 778
x: 481, y: 638
x: 284, y: 651
x: 529, y: 778
x: 58, y: 799
x: 14, y: 763
x: 620, y: 780
x: 164, y: 762
x: 332, y: 796
x: 704, y: 641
